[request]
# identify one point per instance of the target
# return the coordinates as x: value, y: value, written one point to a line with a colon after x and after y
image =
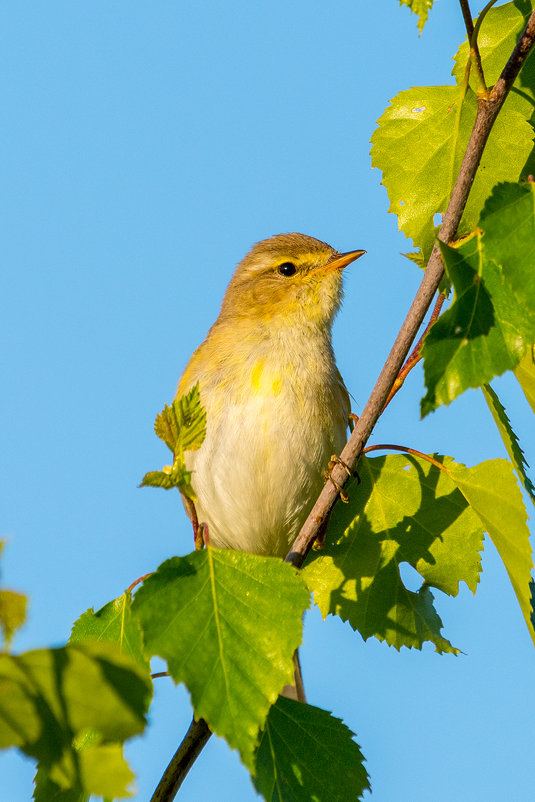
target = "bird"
x: 277, y: 408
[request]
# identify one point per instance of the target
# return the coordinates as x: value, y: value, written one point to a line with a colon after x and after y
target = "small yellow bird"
x: 277, y: 407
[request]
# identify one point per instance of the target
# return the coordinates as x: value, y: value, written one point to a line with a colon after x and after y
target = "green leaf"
x: 12, y: 610
x: 497, y: 38
x: 419, y: 145
x: 182, y: 427
x: 12, y: 613
x: 508, y: 222
x: 50, y: 697
x: 102, y: 768
x: 177, y: 476
x: 525, y: 374
x: 404, y: 510
x: 113, y: 623
x: 307, y: 755
x: 419, y: 7
x: 228, y: 624
x: 532, y: 614
x: 484, y: 333
x: 510, y: 440
x: 45, y: 790
x: 493, y: 493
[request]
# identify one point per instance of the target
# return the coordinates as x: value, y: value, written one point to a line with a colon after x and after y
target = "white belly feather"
x: 261, y: 465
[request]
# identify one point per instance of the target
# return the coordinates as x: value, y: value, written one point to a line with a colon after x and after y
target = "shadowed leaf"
x: 484, y: 332
x: 300, y: 755
x: 51, y: 698
x: 404, y: 510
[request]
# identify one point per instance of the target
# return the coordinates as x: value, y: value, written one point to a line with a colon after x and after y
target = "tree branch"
x: 181, y: 762
x: 488, y: 110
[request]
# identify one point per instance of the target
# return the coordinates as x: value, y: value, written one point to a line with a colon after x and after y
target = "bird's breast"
x: 271, y: 429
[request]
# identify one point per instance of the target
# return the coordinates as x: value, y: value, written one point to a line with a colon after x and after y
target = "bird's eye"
x: 287, y: 269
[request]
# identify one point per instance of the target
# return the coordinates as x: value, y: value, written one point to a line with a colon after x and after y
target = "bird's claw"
x: 335, y: 460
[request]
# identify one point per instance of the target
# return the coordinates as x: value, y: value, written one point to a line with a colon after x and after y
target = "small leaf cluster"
x: 182, y: 427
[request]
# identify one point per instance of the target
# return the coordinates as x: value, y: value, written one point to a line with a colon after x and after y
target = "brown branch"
x: 487, y: 112
x: 181, y: 762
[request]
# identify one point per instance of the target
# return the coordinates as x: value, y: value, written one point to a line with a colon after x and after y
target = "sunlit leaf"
x: 419, y: 7
x: 227, y: 623
x: 307, y: 755
x: 12, y: 610
x: 496, y: 40
x: 493, y: 493
x: 419, y: 145
x: 182, y: 427
x: 510, y: 440
x: 113, y: 623
x: 525, y: 373
x: 12, y: 613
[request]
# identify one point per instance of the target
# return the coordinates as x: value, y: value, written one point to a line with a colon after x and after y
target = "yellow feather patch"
x: 276, y: 386
x: 256, y: 376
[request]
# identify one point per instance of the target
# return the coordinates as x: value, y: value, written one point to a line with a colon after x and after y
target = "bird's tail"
x: 297, y: 690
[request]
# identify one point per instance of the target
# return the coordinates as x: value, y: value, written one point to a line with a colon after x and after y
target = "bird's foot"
x: 335, y: 460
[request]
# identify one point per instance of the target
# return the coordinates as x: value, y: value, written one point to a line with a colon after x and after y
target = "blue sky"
x: 145, y: 148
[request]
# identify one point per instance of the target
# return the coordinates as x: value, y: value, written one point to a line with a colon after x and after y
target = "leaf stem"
x: 486, y: 115
x: 407, y: 450
x: 475, y: 57
x: 181, y: 762
x: 131, y: 587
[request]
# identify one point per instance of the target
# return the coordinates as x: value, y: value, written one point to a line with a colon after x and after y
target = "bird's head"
x: 292, y: 278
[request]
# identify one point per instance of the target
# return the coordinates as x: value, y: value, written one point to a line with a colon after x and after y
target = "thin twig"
x: 475, y: 58
x: 415, y: 355
x: 181, y: 762
x: 486, y: 115
x: 467, y: 16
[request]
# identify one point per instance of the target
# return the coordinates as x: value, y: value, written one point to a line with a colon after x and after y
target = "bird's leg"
x: 203, y: 536
x: 199, y: 529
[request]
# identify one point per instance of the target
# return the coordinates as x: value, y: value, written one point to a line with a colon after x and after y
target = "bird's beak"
x: 343, y: 260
